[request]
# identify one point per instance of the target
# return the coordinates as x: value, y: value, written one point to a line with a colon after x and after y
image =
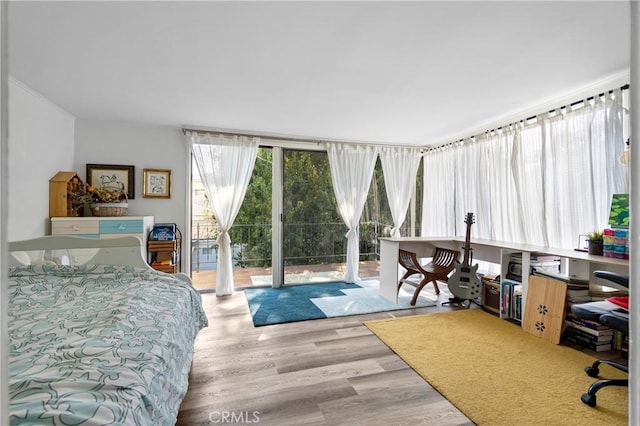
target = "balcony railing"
x: 305, y: 244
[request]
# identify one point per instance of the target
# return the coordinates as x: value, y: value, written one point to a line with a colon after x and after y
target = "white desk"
x: 498, y: 252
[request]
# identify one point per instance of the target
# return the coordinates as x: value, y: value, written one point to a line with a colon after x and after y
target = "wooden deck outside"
x: 206, y: 280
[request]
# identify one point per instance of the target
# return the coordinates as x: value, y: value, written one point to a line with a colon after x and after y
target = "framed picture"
x: 156, y: 183
x: 112, y: 177
x: 583, y: 242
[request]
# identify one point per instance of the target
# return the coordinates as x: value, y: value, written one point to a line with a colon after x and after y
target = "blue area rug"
x: 315, y: 301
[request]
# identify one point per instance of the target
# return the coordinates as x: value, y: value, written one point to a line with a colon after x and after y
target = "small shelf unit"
x: 164, y: 255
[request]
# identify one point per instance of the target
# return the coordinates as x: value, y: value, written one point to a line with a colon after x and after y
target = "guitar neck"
x: 466, y: 260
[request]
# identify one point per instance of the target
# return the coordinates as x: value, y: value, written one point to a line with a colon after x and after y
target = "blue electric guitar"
x: 464, y: 283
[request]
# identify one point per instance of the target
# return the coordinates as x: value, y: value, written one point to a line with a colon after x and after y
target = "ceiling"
x: 417, y: 73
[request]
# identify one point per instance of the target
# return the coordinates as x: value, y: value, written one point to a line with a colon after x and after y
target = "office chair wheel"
x: 588, y: 399
x: 592, y: 372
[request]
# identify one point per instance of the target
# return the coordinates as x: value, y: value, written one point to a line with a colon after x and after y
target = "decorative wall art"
x: 619, y: 214
x: 112, y: 177
x: 156, y: 183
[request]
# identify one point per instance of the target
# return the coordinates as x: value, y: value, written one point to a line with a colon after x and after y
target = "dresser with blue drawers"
x: 103, y: 227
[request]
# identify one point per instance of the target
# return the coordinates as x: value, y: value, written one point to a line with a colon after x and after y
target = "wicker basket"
x: 109, y: 209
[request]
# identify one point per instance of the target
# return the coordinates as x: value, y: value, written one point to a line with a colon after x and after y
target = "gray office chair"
x: 613, y: 316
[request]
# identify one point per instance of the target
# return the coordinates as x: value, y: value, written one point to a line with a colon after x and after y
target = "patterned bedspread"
x: 99, y: 344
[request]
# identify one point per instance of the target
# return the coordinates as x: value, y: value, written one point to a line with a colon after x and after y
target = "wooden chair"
x: 438, y: 269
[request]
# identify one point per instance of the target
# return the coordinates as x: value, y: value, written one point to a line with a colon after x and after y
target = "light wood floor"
x: 322, y: 372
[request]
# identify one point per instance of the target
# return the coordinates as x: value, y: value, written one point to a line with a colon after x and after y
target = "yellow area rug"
x: 497, y: 374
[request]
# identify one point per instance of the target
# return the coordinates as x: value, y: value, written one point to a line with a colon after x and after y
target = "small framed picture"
x: 114, y: 177
x: 583, y: 242
x: 156, y: 183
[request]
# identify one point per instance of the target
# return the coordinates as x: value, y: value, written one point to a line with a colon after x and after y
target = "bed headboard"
x: 111, y: 251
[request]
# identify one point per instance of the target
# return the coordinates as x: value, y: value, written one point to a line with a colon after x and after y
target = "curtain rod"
x: 295, y: 139
x: 319, y: 141
x: 277, y: 138
x: 623, y: 87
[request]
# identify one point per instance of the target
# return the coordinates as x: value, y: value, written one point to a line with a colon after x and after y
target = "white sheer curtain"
x: 498, y: 146
x: 351, y: 172
x: 527, y: 167
x: 610, y: 129
x: 399, y: 167
x: 471, y: 187
x: 542, y: 183
x: 438, y: 198
x: 225, y: 164
x: 581, y: 170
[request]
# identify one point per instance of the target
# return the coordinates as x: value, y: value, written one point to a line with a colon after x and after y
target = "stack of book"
x: 537, y: 262
x: 615, y: 243
x: 578, y: 291
x: 588, y: 334
x: 511, y: 300
x: 545, y: 263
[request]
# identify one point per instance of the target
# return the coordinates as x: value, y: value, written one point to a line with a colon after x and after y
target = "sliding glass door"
x: 288, y: 230
x: 250, y: 234
x: 313, y: 242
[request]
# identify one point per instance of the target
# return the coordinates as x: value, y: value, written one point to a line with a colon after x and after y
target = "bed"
x: 96, y: 336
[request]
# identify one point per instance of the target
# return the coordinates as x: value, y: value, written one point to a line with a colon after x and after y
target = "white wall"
x: 141, y: 146
x: 41, y: 143
x: 45, y: 139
